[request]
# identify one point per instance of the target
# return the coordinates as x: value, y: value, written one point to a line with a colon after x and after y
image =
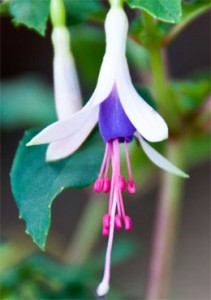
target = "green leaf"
x: 191, y: 93
x: 190, y: 11
x: 36, y: 183
x: 164, y: 10
x: 4, y: 8
x: 193, y: 9
x: 198, y: 149
x: 22, y: 107
x: 31, y: 13
x: 11, y: 254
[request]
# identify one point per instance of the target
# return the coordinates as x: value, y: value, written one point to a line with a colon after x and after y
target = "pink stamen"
x: 122, y: 183
x: 118, y: 222
x: 108, y: 159
x: 121, y: 203
x: 111, y: 220
x: 106, y: 221
x: 106, y: 185
x: 116, y: 171
x: 128, y: 223
x: 103, y: 287
x: 105, y: 232
x: 98, y: 185
x: 115, y: 186
x: 116, y: 157
x: 119, y: 209
x: 131, y: 187
x: 111, y: 192
x: 128, y: 161
x: 104, y: 160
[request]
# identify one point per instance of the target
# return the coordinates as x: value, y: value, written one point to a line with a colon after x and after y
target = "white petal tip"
x: 159, y: 135
x: 51, y: 157
x: 158, y: 138
x: 183, y: 174
x: 102, y: 289
x: 34, y: 141
x: 159, y: 160
x: 31, y: 143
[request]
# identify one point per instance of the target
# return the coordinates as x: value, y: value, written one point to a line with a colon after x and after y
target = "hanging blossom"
x: 66, y: 86
x: 67, y: 93
x: 121, y: 113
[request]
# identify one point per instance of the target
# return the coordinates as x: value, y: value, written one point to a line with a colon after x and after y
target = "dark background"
x: 191, y: 277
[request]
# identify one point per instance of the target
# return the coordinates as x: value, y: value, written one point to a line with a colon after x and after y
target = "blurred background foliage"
x: 27, y: 101
x: 31, y: 275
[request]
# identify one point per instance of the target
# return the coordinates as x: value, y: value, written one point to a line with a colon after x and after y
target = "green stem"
x: 88, y: 230
x: 116, y: 3
x: 153, y: 46
x: 189, y: 17
x: 166, y: 227
x: 171, y: 186
x: 159, y: 76
x: 160, y: 81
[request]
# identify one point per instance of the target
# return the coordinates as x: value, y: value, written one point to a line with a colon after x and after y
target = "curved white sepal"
x: 66, y: 87
x: 144, y: 118
x: 159, y: 160
x: 67, y: 146
x: 65, y: 128
x: 105, y: 81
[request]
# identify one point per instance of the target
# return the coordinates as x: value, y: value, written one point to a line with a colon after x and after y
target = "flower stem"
x: 163, y: 94
x: 169, y: 203
x: 88, y: 230
x: 171, y: 185
x: 158, y: 75
x: 116, y: 3
x: 158, y: 71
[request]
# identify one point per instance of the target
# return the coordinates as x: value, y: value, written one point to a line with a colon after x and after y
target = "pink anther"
x: 105, y: 232
x: 118, y: 222
x: 106, y: 185
x: 128, y: 223
x: 131, y: 187
x: 106, y: 221
x: 98, y: 185
x: 122, y: 183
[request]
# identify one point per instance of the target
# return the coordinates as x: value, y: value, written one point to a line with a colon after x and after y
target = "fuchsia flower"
x: 121, y: 113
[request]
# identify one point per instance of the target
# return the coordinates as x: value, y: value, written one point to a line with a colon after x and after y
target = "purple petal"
x: 113, y: 122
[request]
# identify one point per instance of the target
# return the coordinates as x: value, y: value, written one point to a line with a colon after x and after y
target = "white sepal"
x: 61, y: 41
x: 159, y: 160
x: 116, y: 28
x: 105, y: 81
x: 65, y: 147
x: 66, y: 87
x: 66, y: 128
x: 143, y: 117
